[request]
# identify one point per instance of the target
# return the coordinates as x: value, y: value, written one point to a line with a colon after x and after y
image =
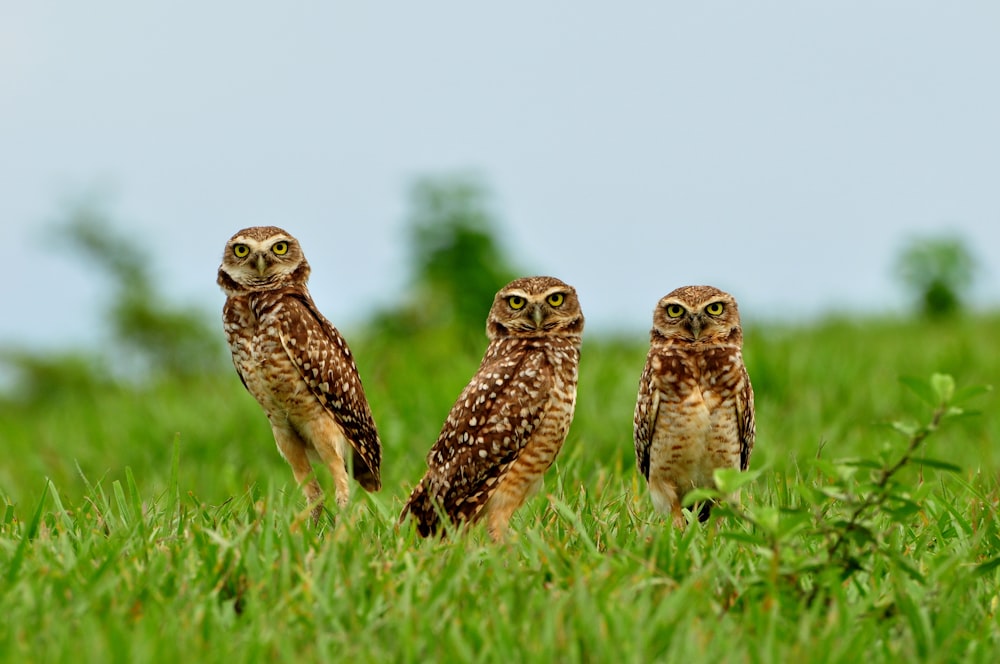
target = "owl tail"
x: 422, y: 509
x: 366, y: 476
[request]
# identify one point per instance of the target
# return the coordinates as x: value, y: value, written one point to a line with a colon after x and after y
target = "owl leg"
x: 293, y: 449
x: 509, y: 496
x: 666, y: 501
x: 328, y: 439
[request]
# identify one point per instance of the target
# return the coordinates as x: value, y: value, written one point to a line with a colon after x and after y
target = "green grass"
x: 159, y: 523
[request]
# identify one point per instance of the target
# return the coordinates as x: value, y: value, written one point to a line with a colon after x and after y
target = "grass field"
x: 158, y: 522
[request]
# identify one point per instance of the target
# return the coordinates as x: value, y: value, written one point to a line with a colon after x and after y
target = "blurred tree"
x: 150, y: 338
x: 457, y: 262
x: 938, y: 271
x: 32, y: 378
x: 156, y: 335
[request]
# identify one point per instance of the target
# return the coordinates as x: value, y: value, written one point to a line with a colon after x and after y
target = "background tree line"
x: 456, y: 261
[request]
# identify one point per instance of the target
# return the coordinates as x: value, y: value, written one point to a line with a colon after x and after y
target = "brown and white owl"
x: 296, y: 364
x: 694, y: 411
x: 510, y: 421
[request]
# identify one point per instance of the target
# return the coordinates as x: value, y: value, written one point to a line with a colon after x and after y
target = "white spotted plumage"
x: 295, y: 363
x: 510, y: 421
x: 694, y: 411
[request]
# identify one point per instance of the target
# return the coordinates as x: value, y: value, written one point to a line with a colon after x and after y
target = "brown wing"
x: 236, y: 320
x: 644, y: 420
x: 485, y: 431
x: 325, y: 363
x: 746, y: 426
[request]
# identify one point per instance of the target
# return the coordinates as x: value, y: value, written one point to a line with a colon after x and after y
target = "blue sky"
x: 780, y: 150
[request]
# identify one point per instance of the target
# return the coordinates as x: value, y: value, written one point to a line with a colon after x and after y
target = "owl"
x: 694, y: 412
x: 510, y: 421
x: 295, y: 363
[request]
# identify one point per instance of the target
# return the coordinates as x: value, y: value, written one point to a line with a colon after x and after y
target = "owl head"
x: 535, y: 307
x: 262, y: 258
x: 698, y: 314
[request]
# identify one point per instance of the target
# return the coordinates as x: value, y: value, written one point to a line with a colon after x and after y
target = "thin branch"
x: 879, y: 495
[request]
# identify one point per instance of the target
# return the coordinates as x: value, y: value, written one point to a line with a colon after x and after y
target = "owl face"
x: 698, y: 314
x: 263, y: 257
x: 535, y: 306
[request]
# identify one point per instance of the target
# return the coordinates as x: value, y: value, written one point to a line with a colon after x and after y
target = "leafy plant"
x: 858, y: 517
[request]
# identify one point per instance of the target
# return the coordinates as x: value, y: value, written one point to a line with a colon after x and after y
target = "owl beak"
x: 536, y: 315
x: 695, y: 326
x: 261, y: 265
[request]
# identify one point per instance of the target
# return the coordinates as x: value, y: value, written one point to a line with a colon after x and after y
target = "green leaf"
x: 861, y: 463
x: 920, y: 388
x: 828, y: 469
x: 902, y: 512
x: 767, y: 517
x: 731, y: 480
x: 937, y: 463
x: 966, y: 393
x: 944, y: 387
x: 815, y: 495
x: 792, y: 521
x: 699, y: 496
x: 960, y: 413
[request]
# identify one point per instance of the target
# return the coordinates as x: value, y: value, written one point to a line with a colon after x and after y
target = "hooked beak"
x: 536, y: 315
x: 261, y: 265
x: 695, y: 326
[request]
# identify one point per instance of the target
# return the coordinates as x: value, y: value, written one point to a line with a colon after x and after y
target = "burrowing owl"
x: 295, y: 363
x: 694, y: 412
x: 510, y: 421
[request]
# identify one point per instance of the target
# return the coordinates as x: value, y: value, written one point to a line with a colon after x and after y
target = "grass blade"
x: 27, y: 537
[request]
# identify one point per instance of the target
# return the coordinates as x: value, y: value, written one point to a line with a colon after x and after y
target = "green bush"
x: 938, y: 271
x: 457, y: 261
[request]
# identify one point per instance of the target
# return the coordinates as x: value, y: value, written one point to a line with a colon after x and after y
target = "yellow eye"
x: 714, y: 309
x: 280, y: 248
x: 516, y: 301
x: 675, y: 310
x: 241, y: 250
x: 556, y: 299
